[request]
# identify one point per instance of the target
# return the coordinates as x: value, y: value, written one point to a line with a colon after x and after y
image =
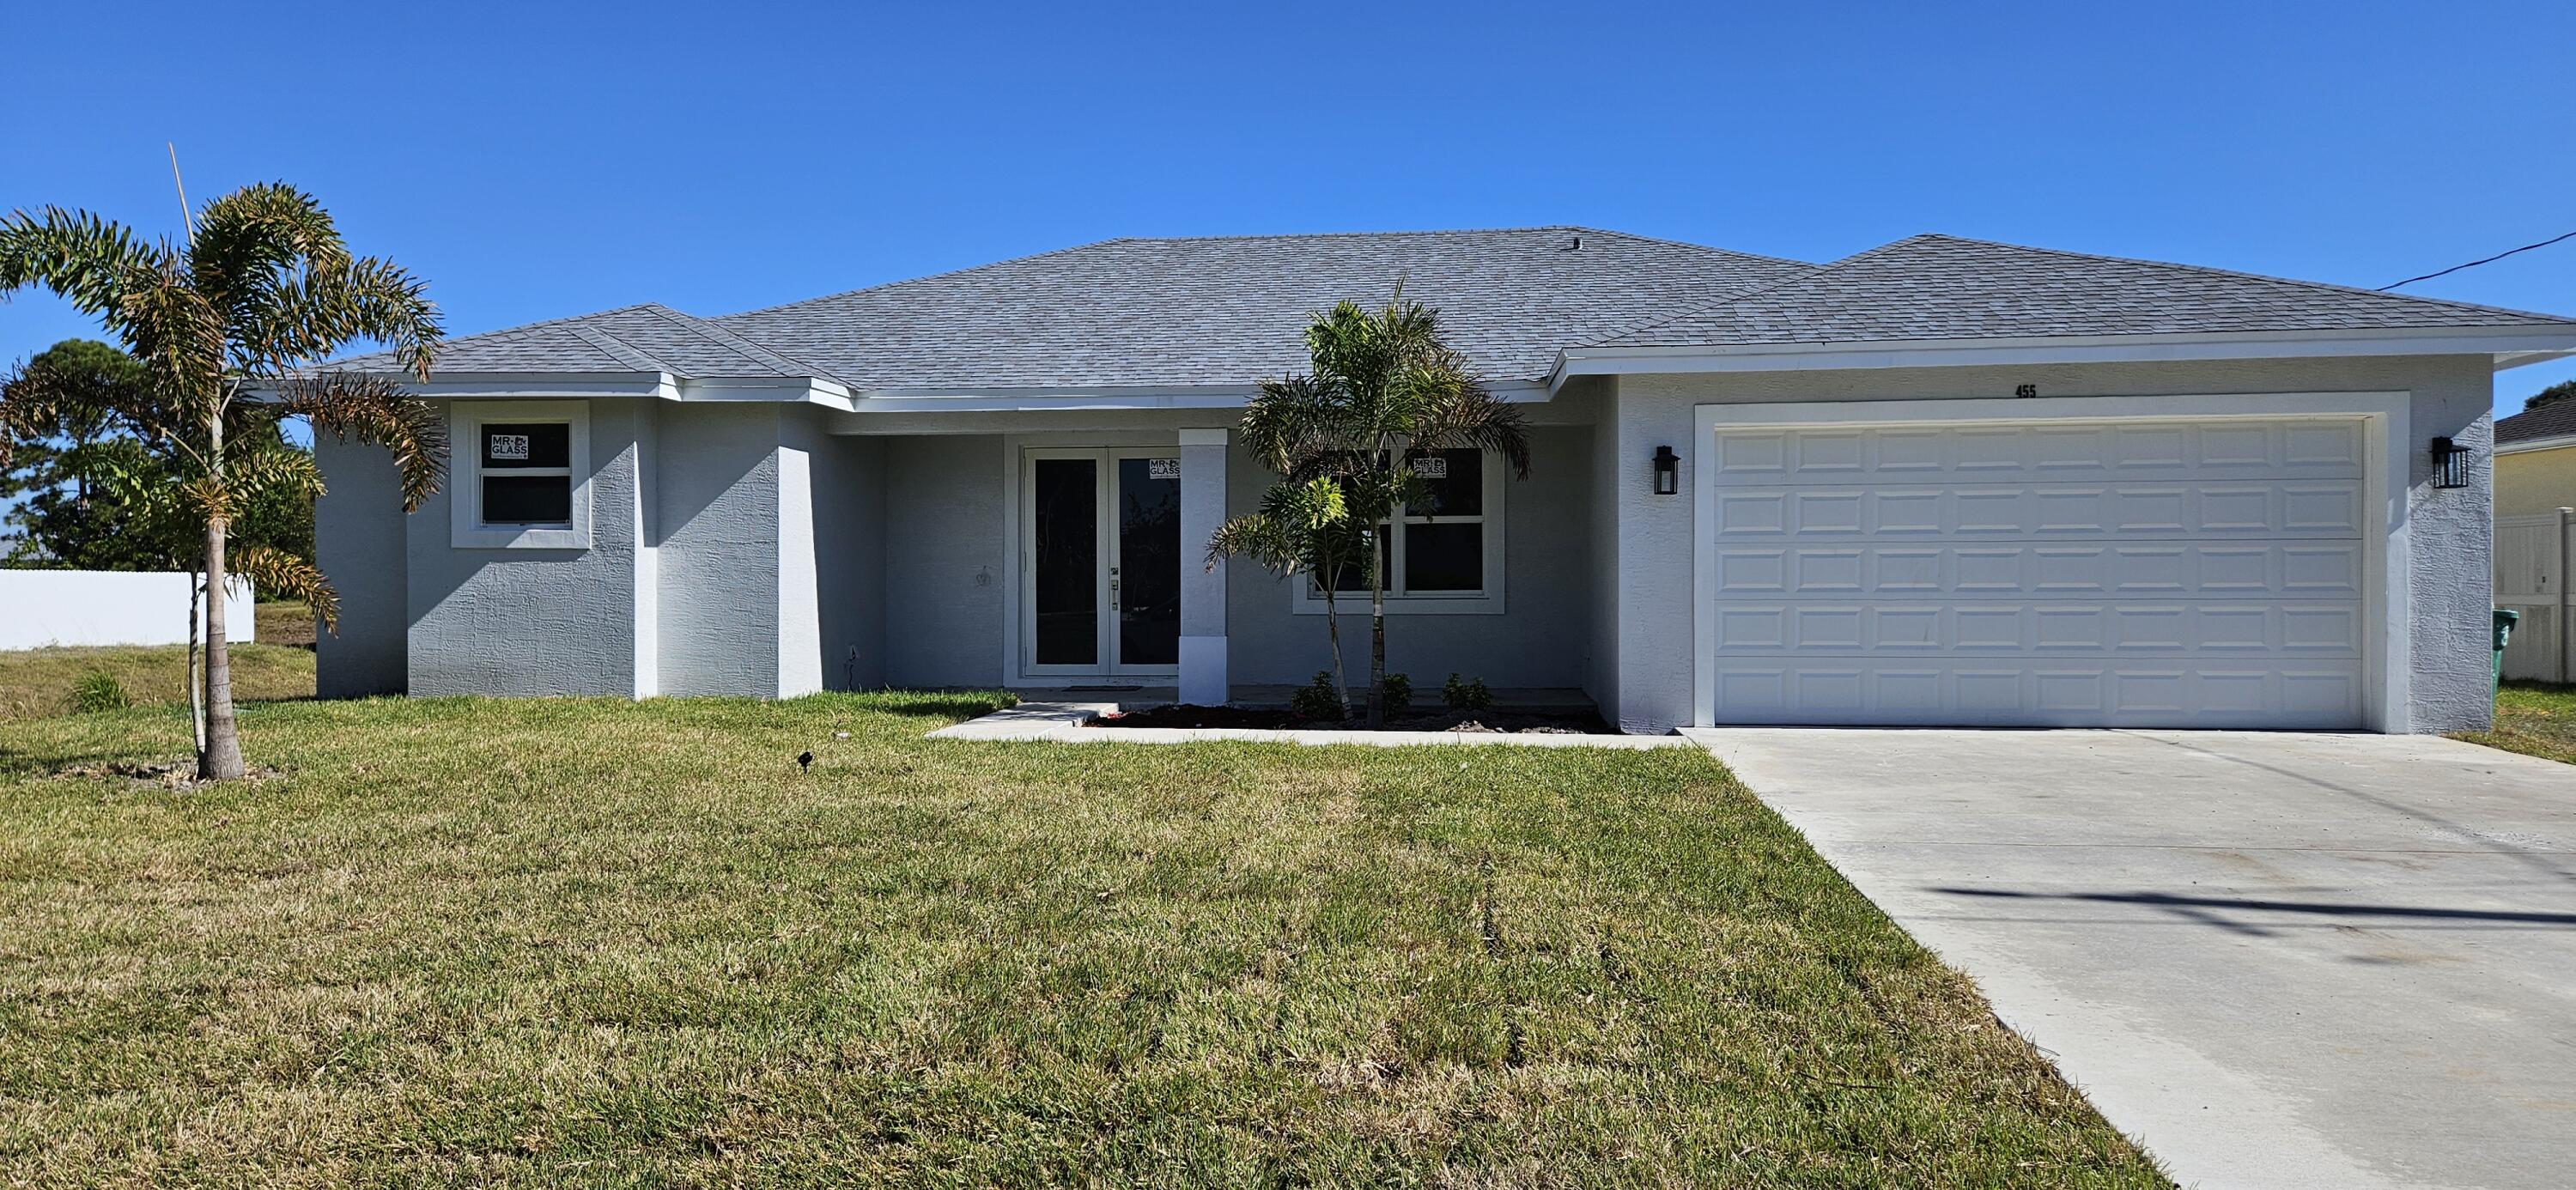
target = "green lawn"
x: 36, y: 683
x: 2535, y: 718
x: 594, y: 942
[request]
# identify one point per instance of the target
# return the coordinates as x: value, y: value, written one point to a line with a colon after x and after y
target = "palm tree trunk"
x: 1333, y: 631
x: 196, y: 691
x: 221, y: 759
x: 1377, y: 639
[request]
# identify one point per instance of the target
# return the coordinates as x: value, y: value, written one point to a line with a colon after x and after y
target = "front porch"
x: 1070, y: 560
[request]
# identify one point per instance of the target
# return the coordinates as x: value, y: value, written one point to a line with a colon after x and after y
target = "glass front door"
x: 1103, y: 556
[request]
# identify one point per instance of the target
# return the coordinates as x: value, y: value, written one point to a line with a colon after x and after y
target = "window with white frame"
x: 526, y: 472
x: 523, y: 486
x: 1443, y: 553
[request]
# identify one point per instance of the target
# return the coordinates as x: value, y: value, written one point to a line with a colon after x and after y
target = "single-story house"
x: 1942, y: 481
x: 2535, y: 491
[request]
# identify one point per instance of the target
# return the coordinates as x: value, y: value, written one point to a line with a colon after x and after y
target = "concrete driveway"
x: 2277, y: 960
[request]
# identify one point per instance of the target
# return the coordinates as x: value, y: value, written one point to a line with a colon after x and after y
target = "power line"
x: 2475, y: 263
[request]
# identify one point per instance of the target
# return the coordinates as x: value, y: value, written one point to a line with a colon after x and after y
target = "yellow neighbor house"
x: 2535, y: 491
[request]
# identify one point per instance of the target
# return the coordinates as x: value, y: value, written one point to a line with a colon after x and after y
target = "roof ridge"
x: 1813, y: 271
x: 735, y: 343
x: 536, y: 326
x: 625, y: 352
x: 1293, y: 235
x: 1353, y: 235
x: 1630, y: 235
x: 569, y: 321
x: 957, y: 272
x: 2328, y: 286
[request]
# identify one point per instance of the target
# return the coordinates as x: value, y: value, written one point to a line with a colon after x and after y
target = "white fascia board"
x: 2518, y: 359
x: 2527, y: 444
x: 2070, y: 349
x: 1093, y: 400
x: 515, y: 386
x: 547, y: 386
x: 811, y: 390
x: 557, y: 386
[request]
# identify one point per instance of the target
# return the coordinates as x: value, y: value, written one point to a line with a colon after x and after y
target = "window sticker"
x: 1162, y: 468
x: 508, y: 447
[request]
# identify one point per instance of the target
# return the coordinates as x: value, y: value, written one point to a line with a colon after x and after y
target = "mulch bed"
x: 1492, y: 720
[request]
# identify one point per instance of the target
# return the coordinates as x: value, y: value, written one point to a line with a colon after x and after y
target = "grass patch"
x: 283, y: 623
x: 2533, y: 718
x: 597, y: 942
x: 36, y: 683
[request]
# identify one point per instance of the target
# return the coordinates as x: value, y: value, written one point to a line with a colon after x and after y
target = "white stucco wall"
x: 50, y: 608
x: 358, y: 540
x: 737, y: 548
x: 1601, y: 548
x: 849, y: 557
x: 943, y: 561
x: 2450, y: 530
x: 1540, y: 640
x: 535, y: 621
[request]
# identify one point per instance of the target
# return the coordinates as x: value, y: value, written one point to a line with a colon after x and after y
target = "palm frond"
x: 89, y: 261
x: 246, y: 239
x: 375, y: 411
x: 276, y: 572
x: 273, y: 469
x: 326, y: 310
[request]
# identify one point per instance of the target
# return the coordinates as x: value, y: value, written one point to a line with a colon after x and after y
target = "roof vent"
x: 1576, y: 246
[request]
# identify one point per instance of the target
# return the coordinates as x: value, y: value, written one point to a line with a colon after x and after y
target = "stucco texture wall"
x: 848, y: 478
x: 1539, y: 640
x: 534, y: 621
x: 2533, y: 482
x: 358, y: 539
x: 943, y: 561
x: 2451, y: 531
x: 718, y: 555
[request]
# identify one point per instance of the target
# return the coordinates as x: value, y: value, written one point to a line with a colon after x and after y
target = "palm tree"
x: 231, y: 327
x: 1301, y: 528
x: 1384, y: 390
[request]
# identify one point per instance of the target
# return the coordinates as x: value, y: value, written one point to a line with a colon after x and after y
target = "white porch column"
x: 1203, y: 679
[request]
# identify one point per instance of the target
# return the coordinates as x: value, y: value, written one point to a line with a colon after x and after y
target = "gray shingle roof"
x: 1942, y: 287
x: 2548, y: 421
x: 645, y: 338
x: 1233, y: 310
x: 1229, y: 311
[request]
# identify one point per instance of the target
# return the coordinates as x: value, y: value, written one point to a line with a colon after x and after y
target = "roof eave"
x: 1099, y: 398
x: 2510, y: 346
x: 665, y: 386
x: 2553, y: 442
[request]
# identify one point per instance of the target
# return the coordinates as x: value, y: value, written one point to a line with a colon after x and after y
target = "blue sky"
x: 534, y: 161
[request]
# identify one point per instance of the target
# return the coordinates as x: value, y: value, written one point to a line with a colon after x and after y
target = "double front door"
x: 1101, y: 561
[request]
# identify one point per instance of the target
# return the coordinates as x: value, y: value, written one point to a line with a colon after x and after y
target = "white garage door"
x: 2174, y: 574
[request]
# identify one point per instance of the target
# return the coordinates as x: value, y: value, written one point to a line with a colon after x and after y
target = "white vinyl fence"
x: 41, y: 608
x: 2531, y: 571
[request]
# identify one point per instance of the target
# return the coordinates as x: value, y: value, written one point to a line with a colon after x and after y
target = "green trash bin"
x: 2505, y: 619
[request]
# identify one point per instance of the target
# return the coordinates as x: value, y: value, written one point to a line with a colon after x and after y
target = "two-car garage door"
x: 2201, y: 573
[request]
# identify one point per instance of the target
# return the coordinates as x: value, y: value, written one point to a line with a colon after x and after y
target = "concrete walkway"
x: 2277, y: 960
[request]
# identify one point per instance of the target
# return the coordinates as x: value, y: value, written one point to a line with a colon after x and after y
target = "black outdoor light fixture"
x: 1668, y: 471
x: 2450, y: 464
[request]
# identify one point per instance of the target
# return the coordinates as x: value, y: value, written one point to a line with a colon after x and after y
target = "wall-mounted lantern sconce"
x: 1668, y: 471
x: 2450, y: 464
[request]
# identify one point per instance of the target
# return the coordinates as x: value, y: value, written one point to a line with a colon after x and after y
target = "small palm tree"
x: 1384, y: 390
x: 1301, y: 528
x: 262, y: 292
